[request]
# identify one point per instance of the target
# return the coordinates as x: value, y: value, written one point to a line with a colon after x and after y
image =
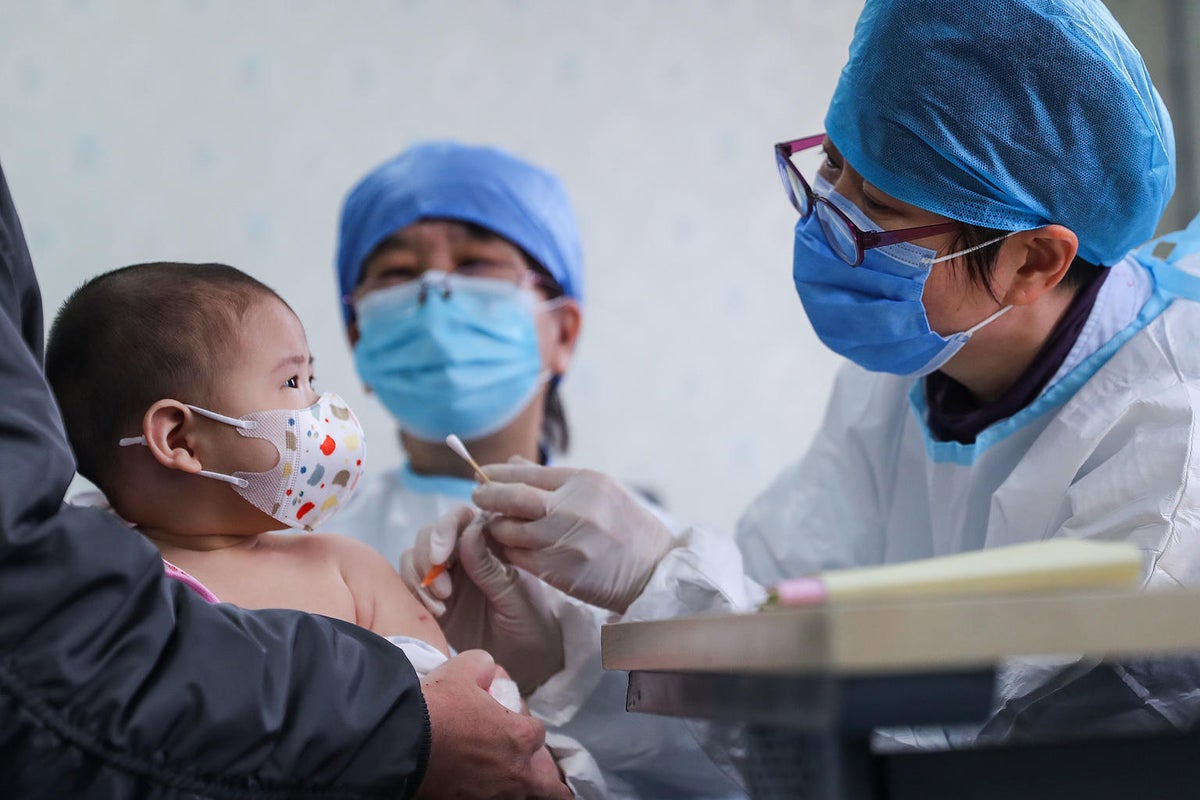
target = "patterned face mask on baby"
x: 321, y: 453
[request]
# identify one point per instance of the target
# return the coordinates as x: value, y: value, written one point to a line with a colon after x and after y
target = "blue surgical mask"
x: 872, y: 314
x: 450, y: 354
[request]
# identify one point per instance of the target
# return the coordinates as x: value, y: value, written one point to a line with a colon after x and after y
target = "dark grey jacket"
x: 116, y: 682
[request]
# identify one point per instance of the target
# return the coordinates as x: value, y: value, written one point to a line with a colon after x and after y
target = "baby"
x: 188, y: 395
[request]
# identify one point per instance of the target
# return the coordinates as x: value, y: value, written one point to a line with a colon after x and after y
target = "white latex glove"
x: 483, y: 603
x: 580, y: 531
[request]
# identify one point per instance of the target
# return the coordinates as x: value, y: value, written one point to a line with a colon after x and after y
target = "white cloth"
x: 578, y: 767
x: 640, y: 756
x: 1109, y: 451
x: 425, y: 658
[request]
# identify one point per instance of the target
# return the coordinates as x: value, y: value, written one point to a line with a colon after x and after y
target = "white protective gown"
x: 640, y: 756
x: 1109, y: 451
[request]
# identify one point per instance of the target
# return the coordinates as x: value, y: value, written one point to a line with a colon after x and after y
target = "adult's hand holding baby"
x: 505, y: 751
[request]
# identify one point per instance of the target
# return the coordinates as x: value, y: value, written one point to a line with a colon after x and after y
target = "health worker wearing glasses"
x: 1020, y: 365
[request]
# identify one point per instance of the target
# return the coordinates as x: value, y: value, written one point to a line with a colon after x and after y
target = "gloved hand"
x: 580, y: 531
x: 483, y: 603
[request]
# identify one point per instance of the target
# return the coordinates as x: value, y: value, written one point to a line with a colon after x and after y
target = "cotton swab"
x: 455, y: 444
x: 460, y: 450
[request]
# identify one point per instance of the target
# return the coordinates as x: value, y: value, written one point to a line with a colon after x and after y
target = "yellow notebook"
x: 1038, y: 567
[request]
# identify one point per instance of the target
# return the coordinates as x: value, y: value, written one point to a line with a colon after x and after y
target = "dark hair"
x: 981, y: 263
x: 556, y: 434
x: 135, y: 335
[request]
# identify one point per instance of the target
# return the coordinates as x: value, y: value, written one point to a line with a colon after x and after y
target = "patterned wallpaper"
x: 229, y: 130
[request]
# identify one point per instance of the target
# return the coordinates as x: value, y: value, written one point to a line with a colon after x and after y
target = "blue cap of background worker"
x: 1018, y: 114
x: 483, y: 185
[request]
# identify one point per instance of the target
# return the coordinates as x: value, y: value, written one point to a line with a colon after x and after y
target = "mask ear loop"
x: 241, y: 483
x: 969, y: 332
x: 949, y: 256
x: 244, y: 424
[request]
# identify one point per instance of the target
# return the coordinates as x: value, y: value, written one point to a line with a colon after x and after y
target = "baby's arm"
x: 382, y: 601
x: 384, y: 604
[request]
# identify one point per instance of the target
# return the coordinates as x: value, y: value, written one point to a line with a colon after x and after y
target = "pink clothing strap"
x: 187, y: 580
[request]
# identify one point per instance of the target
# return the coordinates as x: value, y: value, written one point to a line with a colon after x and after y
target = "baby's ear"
x: 170, y: 431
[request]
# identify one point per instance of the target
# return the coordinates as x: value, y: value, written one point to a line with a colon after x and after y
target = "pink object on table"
x: 808, y: 590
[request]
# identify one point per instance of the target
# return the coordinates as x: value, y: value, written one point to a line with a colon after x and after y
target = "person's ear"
x: 172, y: 435
x: 1039, y: 260
x: 568, y: 319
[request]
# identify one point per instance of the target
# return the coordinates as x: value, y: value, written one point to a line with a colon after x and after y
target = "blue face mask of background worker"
x: 872, y: 314
x: 451, y: 354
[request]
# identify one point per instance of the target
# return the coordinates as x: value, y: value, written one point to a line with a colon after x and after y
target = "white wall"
x: 229, y: 131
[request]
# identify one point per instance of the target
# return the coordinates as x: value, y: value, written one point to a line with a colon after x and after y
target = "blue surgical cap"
x: 446, y: 180
x: 1008, y: 114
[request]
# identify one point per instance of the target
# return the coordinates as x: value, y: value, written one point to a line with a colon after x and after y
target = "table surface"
x: 812, y: 683
x: 911, y: 636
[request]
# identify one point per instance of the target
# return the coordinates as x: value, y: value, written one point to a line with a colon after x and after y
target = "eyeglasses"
x: 845, y: 238
x: 517, y: 274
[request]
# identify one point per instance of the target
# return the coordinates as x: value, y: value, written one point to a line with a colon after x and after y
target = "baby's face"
x: 272, y: 366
